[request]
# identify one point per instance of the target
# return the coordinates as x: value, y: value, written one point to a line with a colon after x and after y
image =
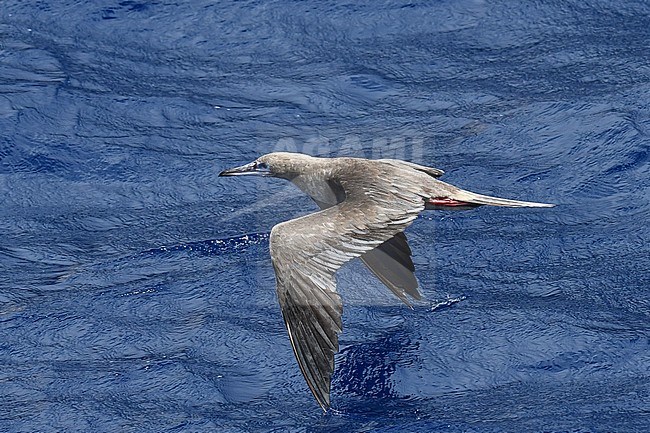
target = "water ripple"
x: 216, y: 246
x: 137, y: 292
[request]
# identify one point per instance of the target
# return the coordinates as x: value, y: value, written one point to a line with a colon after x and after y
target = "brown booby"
x: 365, y: 207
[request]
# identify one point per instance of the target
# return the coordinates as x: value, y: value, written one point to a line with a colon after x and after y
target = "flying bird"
x: 365, y: 206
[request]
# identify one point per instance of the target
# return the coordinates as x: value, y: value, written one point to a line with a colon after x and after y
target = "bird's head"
x: 284, y: 165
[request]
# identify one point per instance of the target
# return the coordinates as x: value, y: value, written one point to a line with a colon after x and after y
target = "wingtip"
x: 323, y: 402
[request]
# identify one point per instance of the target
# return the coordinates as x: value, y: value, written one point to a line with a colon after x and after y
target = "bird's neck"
x: 319, y: 184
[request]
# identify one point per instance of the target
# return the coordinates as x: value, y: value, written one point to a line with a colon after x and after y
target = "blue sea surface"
x: 136, y: 288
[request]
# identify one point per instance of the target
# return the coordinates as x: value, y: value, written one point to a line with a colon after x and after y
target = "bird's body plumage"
x: 365, y: 207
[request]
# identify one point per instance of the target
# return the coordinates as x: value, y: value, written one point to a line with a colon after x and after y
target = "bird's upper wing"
x: 433, y: 172
x: 307, y: 251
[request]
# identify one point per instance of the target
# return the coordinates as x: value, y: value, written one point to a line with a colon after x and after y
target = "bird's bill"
x: 247, y: 170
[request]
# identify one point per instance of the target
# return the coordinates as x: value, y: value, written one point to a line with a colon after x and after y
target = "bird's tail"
x: 461, y: 199
x: 474, y: 198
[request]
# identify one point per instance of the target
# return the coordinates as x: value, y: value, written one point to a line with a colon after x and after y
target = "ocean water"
x: 136, y: 289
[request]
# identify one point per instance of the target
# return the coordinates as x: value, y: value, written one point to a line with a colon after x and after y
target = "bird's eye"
x: 261, y: 166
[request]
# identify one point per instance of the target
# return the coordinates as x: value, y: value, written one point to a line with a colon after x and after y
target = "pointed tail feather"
x: 447, y: 196
x: 479, y: 199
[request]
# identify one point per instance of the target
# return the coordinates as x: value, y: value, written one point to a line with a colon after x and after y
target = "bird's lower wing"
x: 306, y: 252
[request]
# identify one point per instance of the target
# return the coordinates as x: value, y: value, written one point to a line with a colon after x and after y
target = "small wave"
x: 446, y: 303
x: 215, y: 246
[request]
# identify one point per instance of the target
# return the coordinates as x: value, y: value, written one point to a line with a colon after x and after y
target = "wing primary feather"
x: 317, y: 370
